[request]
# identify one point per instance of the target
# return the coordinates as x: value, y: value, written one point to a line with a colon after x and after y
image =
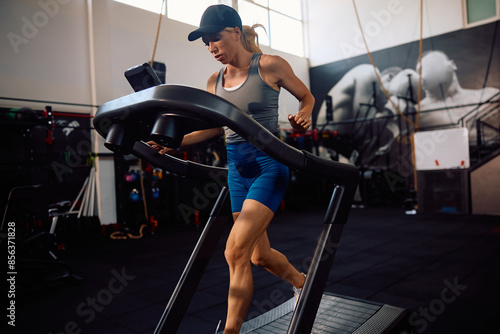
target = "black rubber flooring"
x: 444, y: 268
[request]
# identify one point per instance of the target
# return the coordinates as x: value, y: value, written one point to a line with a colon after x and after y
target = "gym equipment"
x: 165, y: 114
x: 37, y: 263
x: 142, y: 76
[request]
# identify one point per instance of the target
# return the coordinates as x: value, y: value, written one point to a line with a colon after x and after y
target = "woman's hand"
x: 299, y: 122
x: 189, y: 139
x: 159, y: 148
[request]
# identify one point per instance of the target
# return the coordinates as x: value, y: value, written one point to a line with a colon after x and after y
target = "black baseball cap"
x: 214, y: 19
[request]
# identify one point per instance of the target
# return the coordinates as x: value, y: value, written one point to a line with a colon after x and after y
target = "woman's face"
x: 222, y: 45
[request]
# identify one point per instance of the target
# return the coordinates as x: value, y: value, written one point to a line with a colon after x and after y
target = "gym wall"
x: 334, y: 32
x: 45, y: 53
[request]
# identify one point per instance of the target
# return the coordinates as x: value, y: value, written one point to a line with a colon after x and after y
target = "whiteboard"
x: 442, y: 149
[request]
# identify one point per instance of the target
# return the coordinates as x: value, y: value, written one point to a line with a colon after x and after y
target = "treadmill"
x: 165, y: 113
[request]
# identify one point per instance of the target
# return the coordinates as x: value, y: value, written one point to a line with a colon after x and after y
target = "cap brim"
x: 204, y: 30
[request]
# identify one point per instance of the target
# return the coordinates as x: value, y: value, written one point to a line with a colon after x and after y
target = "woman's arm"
x: 278, y: 73
x: 189, y: 139
x: 195, y: 136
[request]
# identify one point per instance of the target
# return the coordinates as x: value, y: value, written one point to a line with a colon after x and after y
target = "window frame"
x: 235, y: 5
x: 465, y: 16
x: 303, y: 52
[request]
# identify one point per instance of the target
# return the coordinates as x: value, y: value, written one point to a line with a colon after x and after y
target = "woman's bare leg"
x: 249, y: 226
x: 248, y: 242
x: 275, y: 262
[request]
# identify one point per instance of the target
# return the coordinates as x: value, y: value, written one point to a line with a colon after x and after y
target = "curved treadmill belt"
x: 336, y: 315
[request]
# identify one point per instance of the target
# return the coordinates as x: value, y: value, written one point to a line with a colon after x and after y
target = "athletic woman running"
x: 257, y: 183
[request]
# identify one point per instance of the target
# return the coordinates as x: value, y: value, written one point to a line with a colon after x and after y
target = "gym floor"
x: 443, y: 268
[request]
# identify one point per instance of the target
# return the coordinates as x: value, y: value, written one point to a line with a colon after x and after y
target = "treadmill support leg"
x: 317, y: 275
x: 193, y: 272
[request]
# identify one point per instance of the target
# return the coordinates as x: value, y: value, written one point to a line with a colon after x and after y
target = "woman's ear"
x: 237, y: 32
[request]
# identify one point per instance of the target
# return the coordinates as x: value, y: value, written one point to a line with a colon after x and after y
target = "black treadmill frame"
x: 135, y: 113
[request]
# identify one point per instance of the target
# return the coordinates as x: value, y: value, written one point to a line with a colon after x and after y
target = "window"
x: 252, y: 14
x: 477, y: 12
x: 150, y: 5
x: 286, y: 34
x: 282, y: 19
x: 292, y: 8
x: 190, y: 11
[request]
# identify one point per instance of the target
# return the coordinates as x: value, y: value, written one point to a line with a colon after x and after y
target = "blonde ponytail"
x: 250, y: 38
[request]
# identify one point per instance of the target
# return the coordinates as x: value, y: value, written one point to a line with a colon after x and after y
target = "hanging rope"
x: 420, y: 45
x: 396, y: 108
x: 419, y: 96
x: 410, y: 122
x: 158, y: 32
x: 141, y: 170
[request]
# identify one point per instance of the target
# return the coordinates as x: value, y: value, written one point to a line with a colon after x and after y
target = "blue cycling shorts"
x: 252, y: 174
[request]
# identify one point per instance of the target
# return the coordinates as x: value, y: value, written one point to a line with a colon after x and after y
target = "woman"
x: 257, y: 183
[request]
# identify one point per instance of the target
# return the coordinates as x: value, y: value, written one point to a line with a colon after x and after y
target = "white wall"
x: 334, y: 32
x: 44, y: 52
x: 47, y: 55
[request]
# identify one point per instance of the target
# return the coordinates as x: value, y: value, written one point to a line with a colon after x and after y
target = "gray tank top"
x: 254, y: 97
